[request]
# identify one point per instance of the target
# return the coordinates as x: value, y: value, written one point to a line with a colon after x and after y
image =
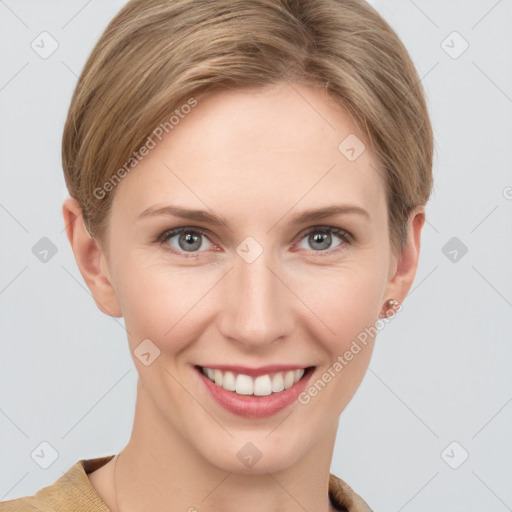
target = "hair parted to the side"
x: 157, y: 55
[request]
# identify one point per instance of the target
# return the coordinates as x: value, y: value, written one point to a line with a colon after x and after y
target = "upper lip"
x: 255, y: 372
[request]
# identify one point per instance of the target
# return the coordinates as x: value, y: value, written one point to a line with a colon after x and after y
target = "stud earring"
x: 389, y: 308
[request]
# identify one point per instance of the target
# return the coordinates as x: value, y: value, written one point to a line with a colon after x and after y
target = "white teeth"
x: 288, y: 380
x: 229, y: 381
x: 217, y: 375
x: 244, y: 384
x: 277, y: 383
x: 262, y: 385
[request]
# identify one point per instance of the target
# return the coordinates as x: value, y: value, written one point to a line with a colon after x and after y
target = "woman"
x: 247, y: 182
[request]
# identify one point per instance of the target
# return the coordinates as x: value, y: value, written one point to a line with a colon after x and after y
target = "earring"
x: 389, y: 308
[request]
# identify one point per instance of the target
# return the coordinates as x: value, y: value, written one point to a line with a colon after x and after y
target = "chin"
x: 254, y: 453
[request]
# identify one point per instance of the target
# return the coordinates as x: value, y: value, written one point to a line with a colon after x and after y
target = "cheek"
x: 158, y: 301
x: 348, y: 307
x: 345, y: 300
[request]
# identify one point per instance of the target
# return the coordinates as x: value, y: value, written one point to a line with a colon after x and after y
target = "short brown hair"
x: 156, y: 55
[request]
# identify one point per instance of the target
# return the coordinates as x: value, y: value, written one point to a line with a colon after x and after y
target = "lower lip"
x: 252, y: 406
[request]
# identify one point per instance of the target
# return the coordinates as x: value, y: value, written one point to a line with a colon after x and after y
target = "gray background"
x: 439, y: 374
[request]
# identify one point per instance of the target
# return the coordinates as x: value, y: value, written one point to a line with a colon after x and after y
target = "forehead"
x: 246, y: 150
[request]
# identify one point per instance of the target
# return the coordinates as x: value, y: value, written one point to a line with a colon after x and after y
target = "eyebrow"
x: 215, y: 220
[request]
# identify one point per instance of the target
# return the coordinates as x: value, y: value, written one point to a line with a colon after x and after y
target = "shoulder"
x: 344, y: 497
x: 26, y: 504
x: 72, y: 491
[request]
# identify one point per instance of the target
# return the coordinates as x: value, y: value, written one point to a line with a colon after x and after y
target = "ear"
x: 90, y: 259
x: 406, y: 263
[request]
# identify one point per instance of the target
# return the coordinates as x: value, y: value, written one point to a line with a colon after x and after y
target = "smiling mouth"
x: 262, y: 385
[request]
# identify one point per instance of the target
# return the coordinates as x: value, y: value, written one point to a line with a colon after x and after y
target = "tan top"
x: 73, y: 491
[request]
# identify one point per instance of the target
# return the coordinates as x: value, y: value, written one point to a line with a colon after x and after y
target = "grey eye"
x: 321, y: 239
x: 188, y: 240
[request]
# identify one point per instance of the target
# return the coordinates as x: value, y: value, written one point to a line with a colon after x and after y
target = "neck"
x: 159, y: 470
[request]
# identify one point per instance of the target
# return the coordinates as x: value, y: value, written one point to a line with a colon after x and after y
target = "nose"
x: 257, y: 308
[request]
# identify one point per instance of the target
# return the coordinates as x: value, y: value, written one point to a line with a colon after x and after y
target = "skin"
x: 256, y: 158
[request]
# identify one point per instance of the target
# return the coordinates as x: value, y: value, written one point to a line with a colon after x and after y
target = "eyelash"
x: 344, y: 235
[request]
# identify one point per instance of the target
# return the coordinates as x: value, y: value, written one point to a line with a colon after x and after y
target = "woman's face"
x: 261, y: 289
